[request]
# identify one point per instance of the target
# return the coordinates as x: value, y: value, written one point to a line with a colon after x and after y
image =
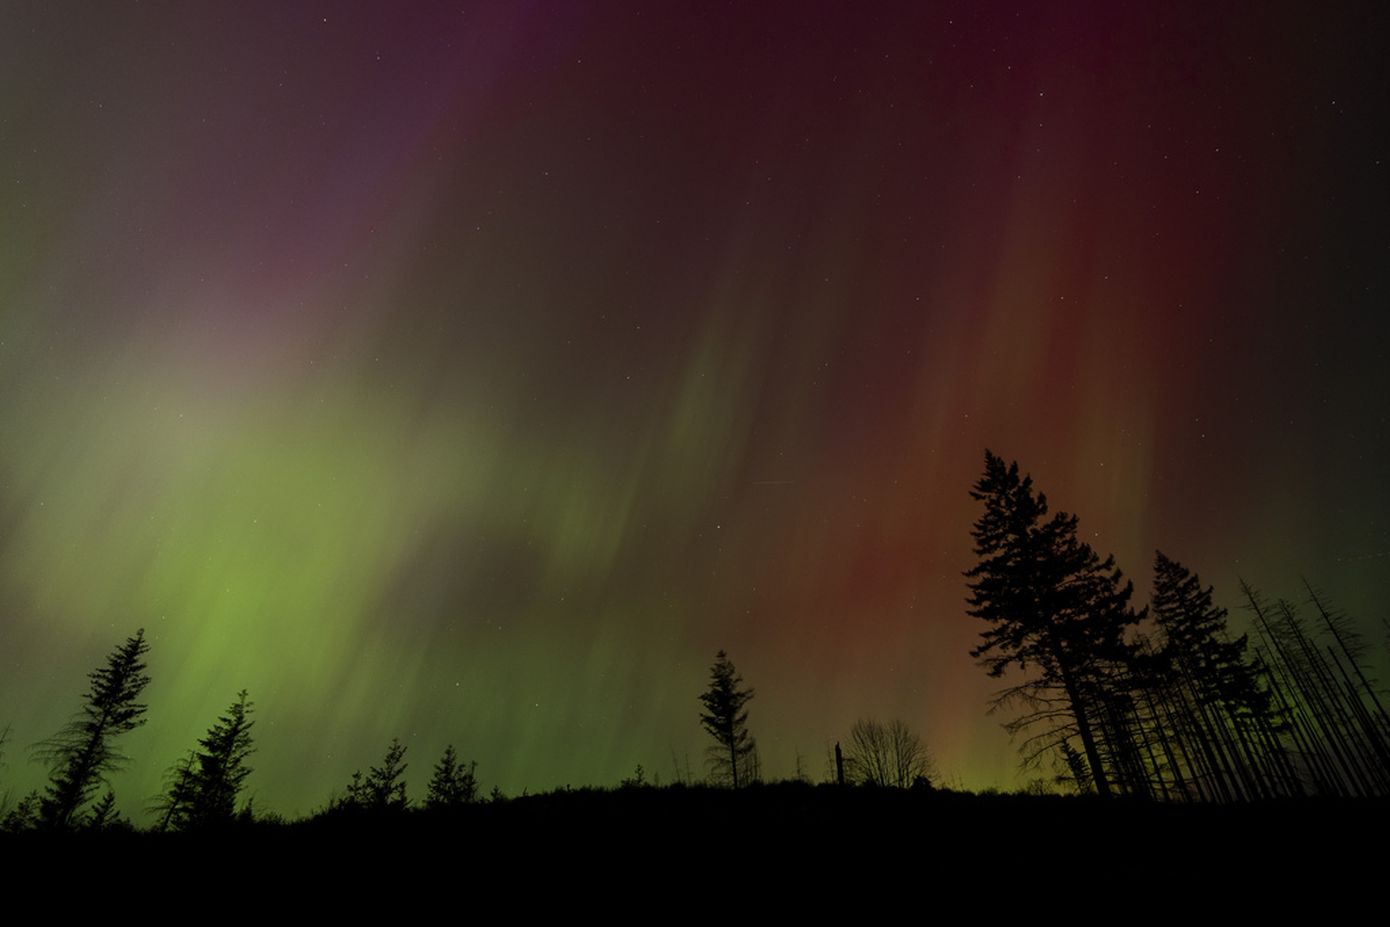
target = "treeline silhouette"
x: 1162, y: 704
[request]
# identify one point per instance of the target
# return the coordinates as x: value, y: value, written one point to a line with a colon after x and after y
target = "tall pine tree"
x: 1229, y: 716
x: 1053, y: 607
x: 83, y: 753
x: 726, y: 719
x: 203, y: 788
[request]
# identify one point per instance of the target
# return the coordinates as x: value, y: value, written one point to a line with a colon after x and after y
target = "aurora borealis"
x: 472, y: 373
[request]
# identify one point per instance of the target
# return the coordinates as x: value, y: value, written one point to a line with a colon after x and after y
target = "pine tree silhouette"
x: 1054, y: 607
x: 726, y: 720
x: 452, y: 785
x: 82, y: 754
x: 383, y: 788
x: 203, y: 787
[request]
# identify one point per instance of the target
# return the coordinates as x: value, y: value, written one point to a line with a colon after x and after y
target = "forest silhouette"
x: 1162, y: 714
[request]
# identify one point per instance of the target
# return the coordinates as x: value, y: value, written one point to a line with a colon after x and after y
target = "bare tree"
x: 887, y: 754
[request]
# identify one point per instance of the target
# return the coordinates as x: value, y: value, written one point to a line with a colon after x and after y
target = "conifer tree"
x: 1054, y: 607
x: 103, y: 814
x: 83, y: 753
x: 222, y: 768
x: 203, y: 787
x: 24, y: 815
x: 452, y: 785
x: 383, y: 788
x: 1195, y: 632
x: 179, y: 786
x: 726, y: 720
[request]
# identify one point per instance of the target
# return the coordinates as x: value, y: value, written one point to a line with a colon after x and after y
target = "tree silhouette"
x: 203, y: 787
x: 887, y: 754
x: 104, y: 815
x: 1335, y: 731
x: 1195, y: 631
x: 726, y: 720
x: 383, y: 788
x: 452, y: 785
x: 179, y: 787
x: 82, y: 754
x: 1053, y: 606
x: 24, y: 815
x: 1226, y: 717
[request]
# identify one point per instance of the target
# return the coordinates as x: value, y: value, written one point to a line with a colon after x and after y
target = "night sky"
x: 473, y: 372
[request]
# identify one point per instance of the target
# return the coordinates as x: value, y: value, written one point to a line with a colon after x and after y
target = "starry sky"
x: 473, y: 372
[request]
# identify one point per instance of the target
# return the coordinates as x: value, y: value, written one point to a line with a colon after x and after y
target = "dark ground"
x: 1018, y: 845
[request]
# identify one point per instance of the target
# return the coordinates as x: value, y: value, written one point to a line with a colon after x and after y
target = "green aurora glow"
x: 474, y: 377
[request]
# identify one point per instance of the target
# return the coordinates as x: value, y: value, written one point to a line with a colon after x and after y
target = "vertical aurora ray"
x: 474, y: 375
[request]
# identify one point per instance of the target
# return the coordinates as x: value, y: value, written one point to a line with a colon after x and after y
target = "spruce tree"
x: 104, y: 815
x: 203, y: 787
x: 1235, y: 725
x: 222, y: 768
x: 1053, y: 607
x: 383, y: 788
x: 180, y: 784
x: 452, y: 785
x: 24, y: 815
x: 83, y: 753
x: 726, y: 720
x: 1195, y: 632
